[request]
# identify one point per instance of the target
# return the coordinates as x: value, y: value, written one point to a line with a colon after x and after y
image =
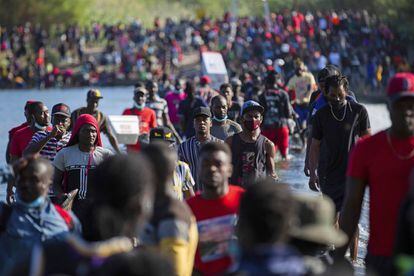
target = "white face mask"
x: 38, y: 126
x: 220, y: 120
x: 139, y: 106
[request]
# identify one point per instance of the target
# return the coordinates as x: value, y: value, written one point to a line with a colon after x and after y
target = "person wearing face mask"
x: 146, y: 116
x: 39, y: 121
x: 32, y: 219
x: 12, y: 131
x: 93, y: 98
x: 252, y: 153
x: 48, y: 143
x: 335, y: 129
x: 222, y: 126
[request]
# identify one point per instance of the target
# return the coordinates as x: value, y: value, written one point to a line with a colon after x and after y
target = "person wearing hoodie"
x: 75, y: 165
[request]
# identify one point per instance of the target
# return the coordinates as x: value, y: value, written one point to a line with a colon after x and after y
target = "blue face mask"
x: 34, y: 204
x: 139, y: 106
x: 220, y: 120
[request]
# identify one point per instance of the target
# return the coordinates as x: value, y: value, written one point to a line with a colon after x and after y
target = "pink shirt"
x: 173, y: 101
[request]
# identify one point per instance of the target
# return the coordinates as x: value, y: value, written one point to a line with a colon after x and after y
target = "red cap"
x: 401, y: 85
x: 205, y: 80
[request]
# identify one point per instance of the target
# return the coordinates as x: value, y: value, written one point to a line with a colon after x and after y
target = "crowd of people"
x: 359, y: 43
x: 199, y: 193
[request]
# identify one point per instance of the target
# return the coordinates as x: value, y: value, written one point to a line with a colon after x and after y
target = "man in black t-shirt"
x: 334, y: 131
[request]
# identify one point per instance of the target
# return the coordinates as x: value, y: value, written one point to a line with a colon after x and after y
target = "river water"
x: 116, y: 99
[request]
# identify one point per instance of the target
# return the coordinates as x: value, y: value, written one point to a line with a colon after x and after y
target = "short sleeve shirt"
x: 147, y: 121
x: 52, y: 146
x: 20, y: 140
x: 160, y: 107
x: 79, y: 166
x: 374, y: 161
x: 226, y: 130
x: 182, y: 179
x: 303, y: 85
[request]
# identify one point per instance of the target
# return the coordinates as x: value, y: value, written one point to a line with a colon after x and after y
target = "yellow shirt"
x: 303, y: 86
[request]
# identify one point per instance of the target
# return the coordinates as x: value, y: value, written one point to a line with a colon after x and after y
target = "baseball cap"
x: 94, y: 93
x: 202, y: 111
x: 329, y: 71
x: 315, y: 221
x: 251, y: 105
x: 205, y: 80
x: 162, y: 133
x: 140, y: 89
x: 401, y: 85
x: 61, y: 109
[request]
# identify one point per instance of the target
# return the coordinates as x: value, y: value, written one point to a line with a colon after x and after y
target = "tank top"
x: 249, y: 160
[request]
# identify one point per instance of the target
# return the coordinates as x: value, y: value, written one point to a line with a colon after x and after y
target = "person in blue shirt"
x: 33, y: 218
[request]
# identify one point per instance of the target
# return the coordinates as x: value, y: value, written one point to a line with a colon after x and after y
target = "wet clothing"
x: 172, y: 230
x: 272, y: 260
x: 147, y: 121
x: 375, y: 161
x: 223, y: 131
x: 52, y: 146
x: 24, y: 227
x: 280, y: 137
x: 188, y: 151
x: 216, y: 219
x: 173, y: 102
x: 159, y: 105
x: 337, y: 129
x: 248, y: 159
x: 185, y: 111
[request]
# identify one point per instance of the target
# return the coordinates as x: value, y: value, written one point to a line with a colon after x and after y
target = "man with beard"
x: 382, y: 162
x: 92, y: 99
x: 252, y: 153
x: 335, y: 129
x: 48, y: 143
x: 75, y: 165
x: 222, y: 126
x: 146, y: 116
x: 189, y: 150
x: 40, y: 119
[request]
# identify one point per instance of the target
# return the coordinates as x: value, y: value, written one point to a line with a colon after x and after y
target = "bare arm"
x: 189, y: 193
x: 351, y: 210
x: 313, y: 164
x: 36, y: 147
x: 270, y: 159
x: 306, y: 169
x: 113, y: 141
x: 8, y: 152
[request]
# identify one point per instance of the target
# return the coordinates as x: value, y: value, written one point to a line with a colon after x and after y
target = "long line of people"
x: 209, y: 205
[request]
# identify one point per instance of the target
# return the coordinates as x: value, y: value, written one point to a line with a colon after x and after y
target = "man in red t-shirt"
x: 39, y: 114
x: 383, y: 163
x: 146, y: 116
x: 19, y: 127
x: 216, y: 209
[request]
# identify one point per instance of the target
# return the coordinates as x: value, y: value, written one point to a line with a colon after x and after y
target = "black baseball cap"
x: 251, y: 105
x: 94, y: 93
x: 61, y: 109
x: 202, y: 111
x: 329, y: 71
x: 163, y: 134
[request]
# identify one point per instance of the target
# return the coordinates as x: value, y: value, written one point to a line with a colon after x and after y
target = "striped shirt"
x: 188, y: 151
x: 52, y: 146
x: 182, y: 179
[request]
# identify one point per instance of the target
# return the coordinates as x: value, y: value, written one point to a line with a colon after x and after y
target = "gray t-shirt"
x: 79, y: 166
x: 223, y: 131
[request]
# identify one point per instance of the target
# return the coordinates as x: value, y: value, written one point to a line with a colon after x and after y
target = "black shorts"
x: 334, y: 188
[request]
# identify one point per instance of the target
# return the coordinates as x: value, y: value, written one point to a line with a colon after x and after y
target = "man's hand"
x: 9, y: 196
x: 314, y: 183
x: 57, y: 130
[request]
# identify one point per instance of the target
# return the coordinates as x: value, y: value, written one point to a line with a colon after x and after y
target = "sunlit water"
x: 116, y: 99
